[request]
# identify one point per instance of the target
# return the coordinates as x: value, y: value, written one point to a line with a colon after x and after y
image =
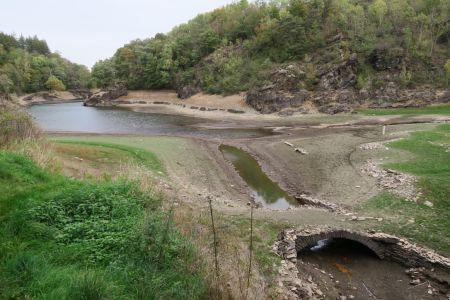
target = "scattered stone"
x: 400, y: 184
x: 308, y: 201
x: 372, y: 146
x: 428, y: 203
x: 301, y: 151
x: 235, y: 111
x: 289, y: 144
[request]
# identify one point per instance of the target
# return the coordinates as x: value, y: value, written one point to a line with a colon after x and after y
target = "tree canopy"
x: 27, y: 65
x: 237, y: 46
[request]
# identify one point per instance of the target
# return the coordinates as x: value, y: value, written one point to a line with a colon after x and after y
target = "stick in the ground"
x: 289, y: 144
x: 250, y: 248
x: 368, y: 291
x: 214, y: 235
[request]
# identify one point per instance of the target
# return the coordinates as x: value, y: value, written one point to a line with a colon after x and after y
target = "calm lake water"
x: 74, y: 117
x: 264, y: 190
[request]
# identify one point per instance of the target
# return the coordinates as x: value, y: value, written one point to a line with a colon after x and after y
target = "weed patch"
x: 69, y: 239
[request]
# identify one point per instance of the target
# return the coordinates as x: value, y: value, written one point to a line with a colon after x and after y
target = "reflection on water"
x: 264, y: 190
x: 77, y: 118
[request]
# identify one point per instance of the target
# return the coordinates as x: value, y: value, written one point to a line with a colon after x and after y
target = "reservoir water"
x: 74, y: 117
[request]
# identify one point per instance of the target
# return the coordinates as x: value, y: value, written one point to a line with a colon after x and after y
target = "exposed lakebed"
x: 264, y: 191
x: 74, y: 117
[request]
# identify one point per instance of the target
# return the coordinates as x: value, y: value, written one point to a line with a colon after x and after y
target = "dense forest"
x: 237, y: 47
x: 27, y: 65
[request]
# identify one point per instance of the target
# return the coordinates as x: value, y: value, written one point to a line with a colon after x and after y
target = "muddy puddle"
x: 263, y: 190
x: 350, y: 270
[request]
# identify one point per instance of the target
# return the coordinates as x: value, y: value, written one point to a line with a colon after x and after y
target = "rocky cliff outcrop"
x: 106, y: 97
x: 268, y: 100
x: 336, y: 91
x: 340, y: 77
x: 337, y: 101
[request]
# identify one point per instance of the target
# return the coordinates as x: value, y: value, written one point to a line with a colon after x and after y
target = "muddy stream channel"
x: 263, y: 190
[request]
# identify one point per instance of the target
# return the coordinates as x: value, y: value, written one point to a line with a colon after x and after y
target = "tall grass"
x: 19, y: 133
x: 69, y: 239
x: 16, y: 126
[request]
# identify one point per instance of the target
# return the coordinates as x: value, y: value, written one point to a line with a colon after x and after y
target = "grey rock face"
x: 107, y: 96
x: 270, y: 101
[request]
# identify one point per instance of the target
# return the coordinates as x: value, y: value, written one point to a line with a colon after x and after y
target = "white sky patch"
x: 86, y: 31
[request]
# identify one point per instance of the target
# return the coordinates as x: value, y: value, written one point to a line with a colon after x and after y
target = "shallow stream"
x: 264, y: 191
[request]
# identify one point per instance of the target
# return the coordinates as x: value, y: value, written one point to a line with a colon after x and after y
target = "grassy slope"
x: 428, y: 110
x: 61, y: 238
x: 141, y: 156
x: 431, y: 164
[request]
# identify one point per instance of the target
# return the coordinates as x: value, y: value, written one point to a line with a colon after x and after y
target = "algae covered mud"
x: 264, y: 191
x: 74, y: 117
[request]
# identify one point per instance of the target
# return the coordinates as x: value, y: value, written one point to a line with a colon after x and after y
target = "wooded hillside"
x: 239, y: 46
x: 27, y: 65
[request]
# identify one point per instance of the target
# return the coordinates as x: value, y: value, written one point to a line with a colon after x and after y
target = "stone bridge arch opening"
x: 316, y: 241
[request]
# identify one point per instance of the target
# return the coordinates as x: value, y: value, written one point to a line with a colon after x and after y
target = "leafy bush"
x: 53, y: 83
x: 15, y: 126
x: 84, y: 240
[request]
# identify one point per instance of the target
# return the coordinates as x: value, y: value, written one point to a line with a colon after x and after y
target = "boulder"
x: 187, y: 91
x: 106, y: 96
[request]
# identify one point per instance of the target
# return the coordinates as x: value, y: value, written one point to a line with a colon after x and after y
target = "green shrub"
x: 62, y: 238
x: 15, y: 126
x: 54, y: 84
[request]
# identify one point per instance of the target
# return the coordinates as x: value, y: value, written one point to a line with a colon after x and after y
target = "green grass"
x: 68, y: 239
x: 432, y: 166
x: 427, y: 110
x: 141, y: 156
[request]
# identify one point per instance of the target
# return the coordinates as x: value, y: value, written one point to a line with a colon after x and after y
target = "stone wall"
x: 385, y: 246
